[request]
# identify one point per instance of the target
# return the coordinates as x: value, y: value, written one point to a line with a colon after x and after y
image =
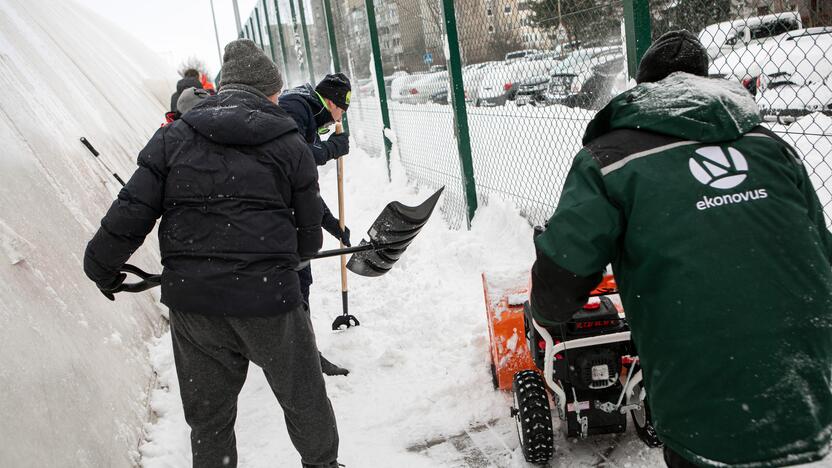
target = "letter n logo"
x: 719, y: 168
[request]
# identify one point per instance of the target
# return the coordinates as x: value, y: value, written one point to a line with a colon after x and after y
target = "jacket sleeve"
x: 306, y: 127
x: 131, y: 216
x: 306, y: 204
x: 322, y: 150
x: 579, y: 242
x: 329, y: 222
x: 815, y: 209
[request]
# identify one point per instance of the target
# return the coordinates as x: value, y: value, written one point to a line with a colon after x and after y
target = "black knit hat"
x: 675, y: 51
x: 336, y: 88
x: 245, y: 65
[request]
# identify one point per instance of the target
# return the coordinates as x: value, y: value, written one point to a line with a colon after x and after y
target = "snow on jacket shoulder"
x: 236, y: 187
x: 722, y: 255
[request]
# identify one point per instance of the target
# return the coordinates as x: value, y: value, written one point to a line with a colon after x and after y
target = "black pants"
x: 212, y: 356
x: 673, y: 460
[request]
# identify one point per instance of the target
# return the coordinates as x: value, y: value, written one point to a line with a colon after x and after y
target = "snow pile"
x: 75, y: 374
x: 419, y: 393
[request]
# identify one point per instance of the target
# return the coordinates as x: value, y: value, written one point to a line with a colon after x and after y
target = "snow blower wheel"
x: 533, y: 417
x: 644, y: 426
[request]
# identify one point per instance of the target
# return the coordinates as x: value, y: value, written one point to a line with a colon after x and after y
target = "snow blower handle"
x: 345, y: 319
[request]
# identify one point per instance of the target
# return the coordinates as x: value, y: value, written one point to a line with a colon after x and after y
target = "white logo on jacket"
x: 721, y: 169
x: 718, y: 168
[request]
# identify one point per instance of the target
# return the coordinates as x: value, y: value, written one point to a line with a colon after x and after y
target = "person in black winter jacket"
x: 236, y: 187
x: 190, y: 79
x: 314, y: 109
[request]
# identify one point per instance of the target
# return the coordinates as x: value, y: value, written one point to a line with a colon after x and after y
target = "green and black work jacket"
x: 722, y: 256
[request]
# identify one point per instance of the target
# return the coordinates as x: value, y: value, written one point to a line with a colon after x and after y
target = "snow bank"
x: 75, y: 371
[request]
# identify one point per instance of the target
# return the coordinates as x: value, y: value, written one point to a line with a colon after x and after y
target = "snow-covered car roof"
x: 584, y: 58
x: 806, y: 54
x: 715, y: 35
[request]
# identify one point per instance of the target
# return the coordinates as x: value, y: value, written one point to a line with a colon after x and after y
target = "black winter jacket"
x: 236, y: 187
x: 304, y: 105
x: 182, y: 85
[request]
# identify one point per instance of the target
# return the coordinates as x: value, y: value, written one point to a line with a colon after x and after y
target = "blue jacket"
x: 305, y: 107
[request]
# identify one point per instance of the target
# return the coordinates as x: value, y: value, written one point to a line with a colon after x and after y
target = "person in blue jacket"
x: 314, y: 109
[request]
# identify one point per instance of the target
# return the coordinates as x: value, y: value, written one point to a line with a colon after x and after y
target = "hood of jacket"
x: 682, y: 105
x: 308, y: 95
x: 239, y: 117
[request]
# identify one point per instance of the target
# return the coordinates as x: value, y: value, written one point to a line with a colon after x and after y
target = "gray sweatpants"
x: 212, y: 355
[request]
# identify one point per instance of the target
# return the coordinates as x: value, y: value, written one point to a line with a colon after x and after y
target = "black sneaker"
x: 329, y: 368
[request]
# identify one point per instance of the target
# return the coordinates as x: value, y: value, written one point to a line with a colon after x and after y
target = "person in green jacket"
x: 722, y: 256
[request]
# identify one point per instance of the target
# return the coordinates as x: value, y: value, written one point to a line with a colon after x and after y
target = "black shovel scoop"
x: 391, y: 233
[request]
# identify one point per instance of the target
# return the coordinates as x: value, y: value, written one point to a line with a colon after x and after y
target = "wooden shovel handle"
x: 339, y: 129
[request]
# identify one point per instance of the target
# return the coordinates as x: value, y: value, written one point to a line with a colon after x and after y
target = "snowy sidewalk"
x: 419, y: 393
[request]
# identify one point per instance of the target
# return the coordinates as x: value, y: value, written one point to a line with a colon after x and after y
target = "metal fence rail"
x: 491, y: 97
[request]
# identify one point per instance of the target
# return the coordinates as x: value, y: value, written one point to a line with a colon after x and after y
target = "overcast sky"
x: 178, y: 29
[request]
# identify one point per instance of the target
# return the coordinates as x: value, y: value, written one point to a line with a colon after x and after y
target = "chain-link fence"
x: 530, y: 74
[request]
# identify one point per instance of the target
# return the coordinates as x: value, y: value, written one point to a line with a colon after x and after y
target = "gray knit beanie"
x: 245, y: 64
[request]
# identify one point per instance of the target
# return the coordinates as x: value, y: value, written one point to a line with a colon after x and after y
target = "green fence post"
x: 282, y: 42
x: 457, y: 94
x: 637, y: 26
x: 333, y: 49
x: 251, y: 25
x: 246, y: 33
x: 295, y: 40
x: 259, y: 29
x: 306, y: 42
x: 269, y: 30
x: 382, y: 92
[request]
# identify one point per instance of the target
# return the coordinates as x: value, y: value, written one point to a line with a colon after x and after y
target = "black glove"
x: 339, y: 145
x: 345, y: 237
x: 334, y: 229
x: 113, y: 286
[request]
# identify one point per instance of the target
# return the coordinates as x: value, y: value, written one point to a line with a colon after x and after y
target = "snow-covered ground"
x: 419, y: 393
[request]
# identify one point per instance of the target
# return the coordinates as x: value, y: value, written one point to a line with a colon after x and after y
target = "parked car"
x: 400, y: 87
x: 568, y: 78
x: 599, y: 87
x: 723, y: 38
x: 502, y: 83
x: 798, y: 80
x: 802, y: 56
x: 388, y: 81
x: 529, y: 81
x: 785, y: 102
x: 472, y: 76
x: 520, y: 55
x: 429, y: 84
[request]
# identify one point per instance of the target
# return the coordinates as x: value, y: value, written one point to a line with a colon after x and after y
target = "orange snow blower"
x: 504, y: 311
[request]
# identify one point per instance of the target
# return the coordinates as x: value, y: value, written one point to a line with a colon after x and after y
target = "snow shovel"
x: 391, y: 233
x: 345, y: 319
